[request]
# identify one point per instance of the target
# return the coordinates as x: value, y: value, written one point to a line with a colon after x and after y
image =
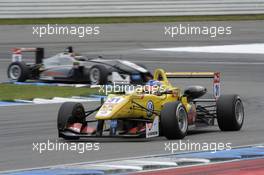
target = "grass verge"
x: 9, y: 92
x: 143, y: 19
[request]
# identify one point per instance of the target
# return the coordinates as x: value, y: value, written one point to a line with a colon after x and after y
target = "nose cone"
x: 112, y: 107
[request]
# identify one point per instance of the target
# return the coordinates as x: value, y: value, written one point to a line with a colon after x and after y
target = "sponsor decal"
x: 114, y: 100
x: 192, y: 115
x: 150, y: 107
x: 152, y: 129
x: 108, y: 106
x: 105, y: 110
x: 16, y: 56
x: 216, y: 85
x: 113, y: 127
x: 53, y: 73
x: 46, y: 77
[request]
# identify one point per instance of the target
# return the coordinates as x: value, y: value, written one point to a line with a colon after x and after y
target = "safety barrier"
x: 113, y: 8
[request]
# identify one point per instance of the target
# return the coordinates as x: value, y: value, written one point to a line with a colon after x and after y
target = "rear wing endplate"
x: 17, y: 54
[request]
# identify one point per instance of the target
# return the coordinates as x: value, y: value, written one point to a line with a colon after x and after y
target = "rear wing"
x: 213, y: 75
x: 161, y: 75
x: 17, y: 54
x: 190, y: 74
x: 39, y: 53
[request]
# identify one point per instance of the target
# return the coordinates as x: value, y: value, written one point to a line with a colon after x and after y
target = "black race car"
x: 73, y: 68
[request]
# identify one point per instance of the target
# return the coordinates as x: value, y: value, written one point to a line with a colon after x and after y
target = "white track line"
x: 120, y: 166
x: 153, y: 162
x: 256, y: 48
x: 204, y: 62
x: 55, y: 100
x: 117, y: 159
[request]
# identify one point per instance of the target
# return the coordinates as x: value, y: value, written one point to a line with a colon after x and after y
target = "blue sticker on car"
x: 150, y: 107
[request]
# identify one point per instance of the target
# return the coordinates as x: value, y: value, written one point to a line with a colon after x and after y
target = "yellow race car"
x: 155, y: 109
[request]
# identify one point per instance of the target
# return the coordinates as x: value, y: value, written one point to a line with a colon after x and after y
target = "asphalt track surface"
x: 242, y: 74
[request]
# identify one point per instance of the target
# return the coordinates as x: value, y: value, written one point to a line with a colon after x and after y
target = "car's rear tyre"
x: 230, y: 113
x: 70, y: 112
x: 174, y: 120
x: 18, y: 71
x: 98, y: 75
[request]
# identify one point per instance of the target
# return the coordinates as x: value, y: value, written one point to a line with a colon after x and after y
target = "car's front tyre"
x: 174, y: 120
x: 69, y: 113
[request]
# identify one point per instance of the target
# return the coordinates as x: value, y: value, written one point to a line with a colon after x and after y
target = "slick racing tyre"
x: 98, y: 75
x: 18, y: 71
x: 174, y: 120
x: 230, y: 113
x: 70, y: 112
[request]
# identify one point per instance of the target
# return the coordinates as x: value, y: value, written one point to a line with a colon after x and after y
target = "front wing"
x: 152, y: 130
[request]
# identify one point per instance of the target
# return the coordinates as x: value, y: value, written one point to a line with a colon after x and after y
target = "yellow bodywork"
x: 130, y: 105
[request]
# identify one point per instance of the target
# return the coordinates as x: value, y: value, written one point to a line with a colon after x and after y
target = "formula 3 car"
x: 153, y: 110
x: 71, y: 67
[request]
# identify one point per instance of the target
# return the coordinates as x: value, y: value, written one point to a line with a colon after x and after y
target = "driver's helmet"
x: 152, y: 85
